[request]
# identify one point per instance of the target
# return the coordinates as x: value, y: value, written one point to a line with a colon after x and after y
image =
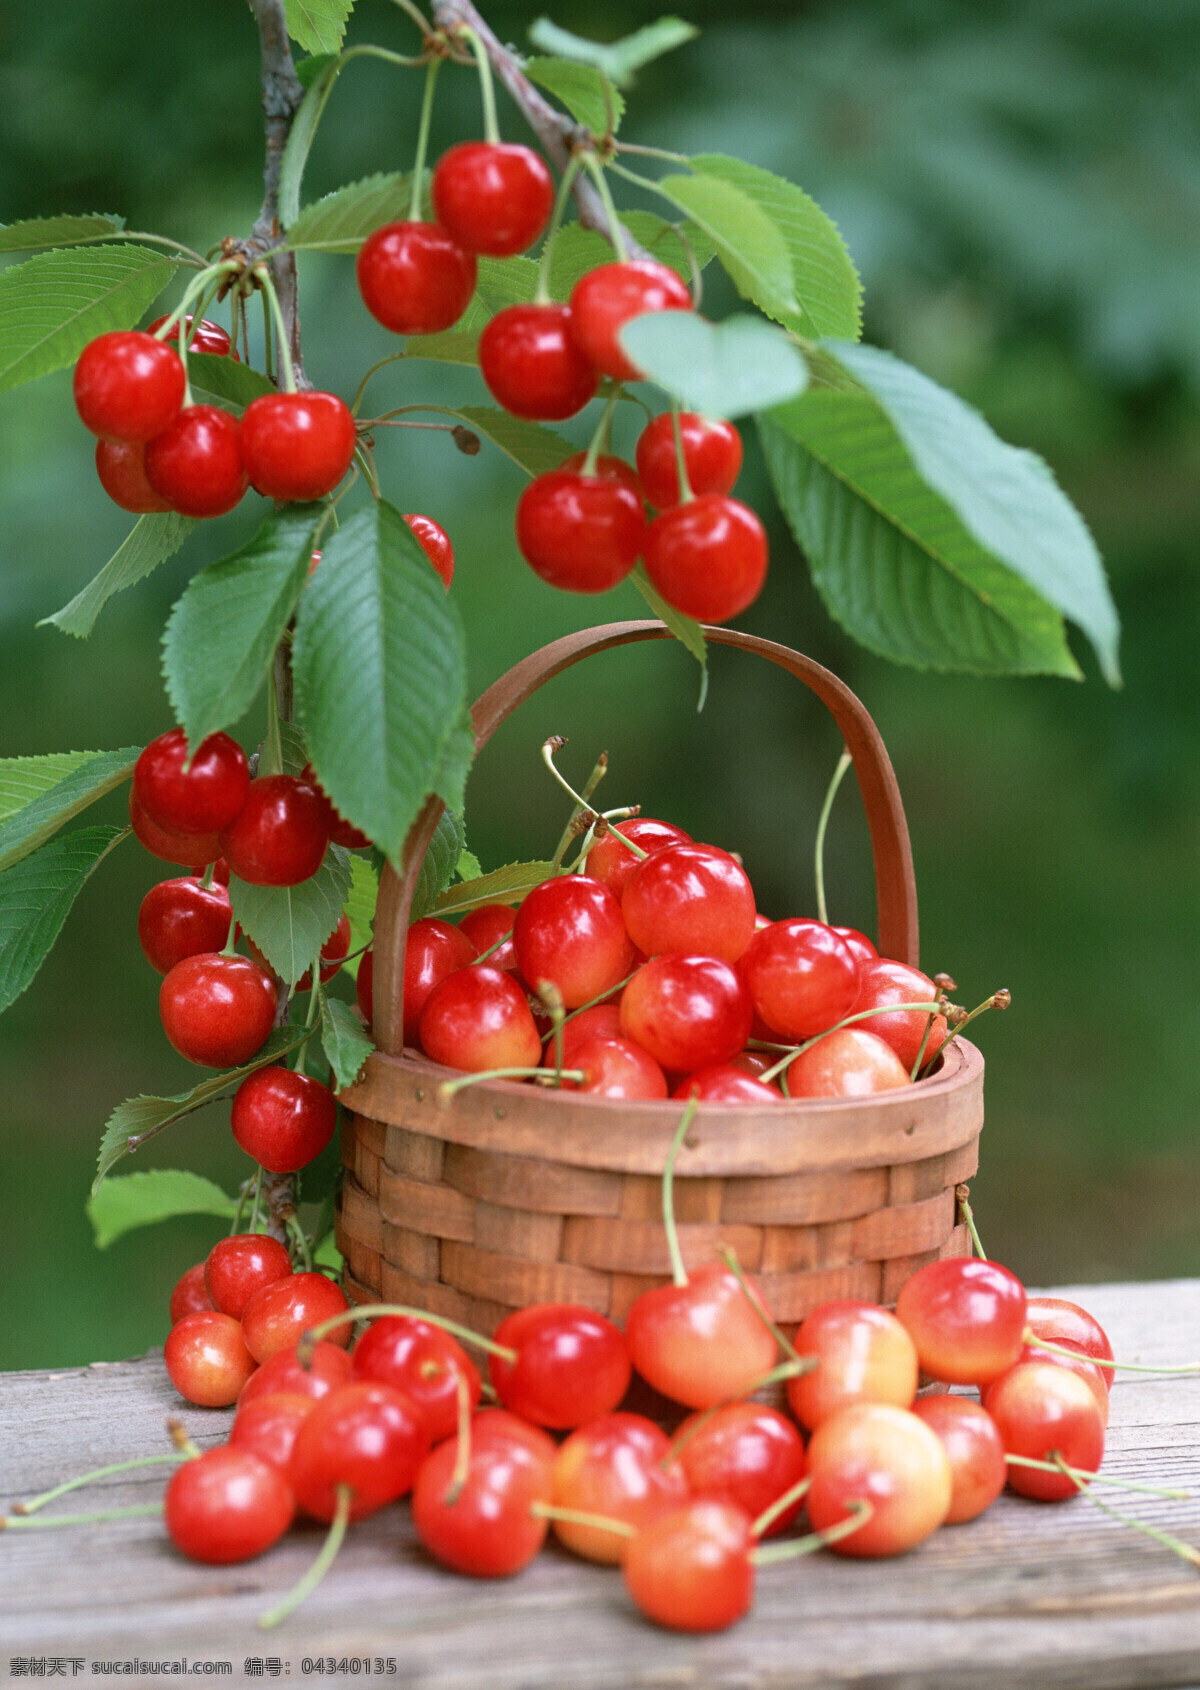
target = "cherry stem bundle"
x: 312, y: 1578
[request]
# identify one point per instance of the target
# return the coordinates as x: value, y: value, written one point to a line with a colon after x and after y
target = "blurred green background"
x: 1020, y: 187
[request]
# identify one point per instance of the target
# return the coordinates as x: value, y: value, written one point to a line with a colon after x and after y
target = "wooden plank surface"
x: 1030, y: 1595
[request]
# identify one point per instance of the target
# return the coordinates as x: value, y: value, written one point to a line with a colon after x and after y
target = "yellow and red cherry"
x: 414, y: 277
x: 196, y: 791
x: 425, y: 1362
x: 278, y: 1315
x: 217, y: 1010
x: 280, y: 835
x: 297, y: 446
x: 887, y: 1457
x: 712, y: 456
x: 570, y: 932
x: 227, y: 1505
x: 689, y: 897
x: 572, y: 1364
x: 181, y: 918
x: 617, y: 1466
x: 479, y: 1018
x: 612, y: 1067
x: 532, y: 365
x: 490, y: 1528
x: 604, y: 300
x: 435, y: 543
x: 689, y: 1012
x: 849, y: 1062
x: 284, y: 1374
x: 726, y: 1083
x: 283, y: 1119
x: 492, y: 197
x: 491, y: 925
x: 1077, y: 1364
x: 128, y: 385
x: 701, y: 1342
x: 582, y: 533
x: 708, y: 557
x: 746, y: 1453
x: 611, y: 863
x: 196, y: 462
x: 802, y: 977
x: 1042, y: 1411
x: 974, y: 1449
x: 1057, y: 1321
x: 882, y: 982
x: 239, y: 1266
x: 367, y: 1437
x: 432, y: 951
x: 863, y: 1354
x: 966, y: 1317
x: 190, y: 1295
x: 209, y: 337
x: 267, y: 1426
x: 121, y: 467
x: 693, y: 1569
x: 206, y: 1358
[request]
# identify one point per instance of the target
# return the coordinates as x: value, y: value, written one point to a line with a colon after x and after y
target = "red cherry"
x: 613, y: 1068
x: 422, y: 1360
x: 283, y: 1373
x: 297, y: 446
x: 579, y: 532
x: 801, y: 976
x: 492, y: 197
x: 604, y: 300
x: 333, y: 953
x: 190, y: 1295
x: 967, y: 1319
x: 206, y: 1359
x: 227, y: 1505
x: 863, y: 1354
x: 433, y: 951
x: 435, y: 543
x: 217, y: 1010
x: 602, y: 1021
x: 367, y: 1436
x: 197, y: 792
x: 533, y: 366
x: 616, y: 1466
x: 861, y: 947
x: 196, y: 462
x: 689, y: 898
x: 708, y: 557
x: 267, y: 1426
x: 689, y: 1012
x: 572, y: 1364
x: 484, y: 926
x: 701, y: 1342
x: 712, y: 455
x: 278, y: 1315
x: 974, y: 1449
x: 726, y: 1084
x: 883, y: 982
x: 121, y: 466
x: 128, y: 386
x: 1040, y: 1410
x: 281, y: 833
x: 569, y: 931
x: 744, y: 1453
x: 209, y: 337
x: 489, y: 1528
x: 414, y: 278
x: 192, y: 850
x: 182, y: 918
x: 692, y: 1569
x: 875, y: 1453
x: 754, y: 1062
x: 341, y: 832
x: 1056, y: 1320
x: 611, y: 863
x: 283, y: 1119
x: 848, y: 1063
x: 611, y: 468
x: 1079, y: 1365
x: 237, y: 1267
x: 478, y: 1018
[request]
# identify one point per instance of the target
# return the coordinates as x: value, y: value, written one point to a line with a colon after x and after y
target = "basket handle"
x: 895, y: 888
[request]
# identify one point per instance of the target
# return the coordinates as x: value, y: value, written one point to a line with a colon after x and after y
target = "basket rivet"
x: 420, y: 1095
x: 500, y: 1114
x: 911, y: 1128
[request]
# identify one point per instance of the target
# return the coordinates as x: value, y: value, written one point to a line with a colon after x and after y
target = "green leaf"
x: 450, y: 781
x: 456, y: 346
x: 468, y: 866
x: 139, y: 1119
x: 584, y: 89
x: 318, y: 25
x: 57, y: 231
x: 304, y: 125
x: 506, y: 281
x: 578, y: 250
x: 619, y: 60
x: 295, y: 748
x: 133, y: 1200
x: 289, y: 924
x: 360, y: 907
x: 223, y: 381
x: 380, y: 673
x: 52, y: 305
x: 342, y: 220
x: 22, y: 779
x: 151, y: 541
x: 508, y: 885
x: 41, y: 819
x: 828, y: 292
x: 528, y: 444
x: 308, y: 70
x: 36, y: 895
x: 439, y: 863
x: 321, y: 1177
x: 720, y: 369
x: 748, y: 243
x: 687, y: 631
x: 345, y: 1041
x: 327, y: 1253
x: 222, y: 633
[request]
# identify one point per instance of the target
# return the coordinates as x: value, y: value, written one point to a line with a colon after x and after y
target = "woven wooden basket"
x: 512, y: 1194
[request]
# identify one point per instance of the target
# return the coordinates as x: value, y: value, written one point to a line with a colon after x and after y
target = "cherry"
x: 478, y: 1018
x: 707, y: 557
x: 237, y: 1267
x: 570, y: 932
x: 602, y: 1021
x: 190, y: 1295
x: 1079, y: 1365
x: 435, y: 543
x: 198, y: 791
x: 801, y: 976
x: 876, y: 1453
x: 692, y: 1569
x: 613, y: 1068
x: 604, y: 300
x: 121, y: 466
x: 861, y: 947
x: 726, y: 1083
x: 616, y: 1466
x: 128, y: 386
x: 863, y: 1354
x: 267, y: 1426
x: 977, y: 1466
x: 206, y: 1358
x: 484, y: 926
x: 744, y: 1453
x: 196, y: 462
x: 882, y: 982
x: 366, y: 1436
x: 1057, y: 1321
x: 278, y: 1315
x: 611, y: 468
x: 967, y: 1319
x: 712, y: 456
x: 689, y: 1012
x: 702, y: 1341
x: 283, y: 1119
x: 414, y: 277
x: 532, y: 365
x: 754, y: 1062
x: 217, y: 1010
x: 297, y: 446
x: 192, y: 850
x: 280, y: 836
x: 432, y: 951
x: 489, y: 1528
x: 690, y: 898
x: 847, y: 1063
x: 341, y: 832
x: 492, y: 197
x: 227, y: 1505
x: 571, y: 1365
x: 497, y: 1425
x: 333, y: 953
x: 1041, y: 1411
x: 209, y: 337
x: 282, y: 1373
x: 425, y: 1362
x: 181, y: 918
x: 580, y: 532
x: 611, y: 863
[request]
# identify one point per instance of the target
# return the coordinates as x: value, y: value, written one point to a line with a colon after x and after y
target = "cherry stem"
x: 919, y: 1059
x: 678, y: 1271
x: 767, y: 1556
x: 962, y: 1193
x: 36, y: 1502
x: 1099, y: 1478
x: 258, y: 1179
x: 785, y: 1062
x: 685, y: 487
x: 998, y: 1000
x: 599, y: 436
x: 780, y: 1506
x: 544, y: 1076
x: 9, y: 1523
x: 208, y: 877
x: 494, y: 946
x: 415, y: 14
x: 1032, y: 1338
x: 598, y: 828
x: 844, y: 762
x: 729, y: 1257
x: 568, y: 833
x: 616, y: 233
x: 542, y: 292
x: 297, y: 1231
x: 1175, y: 1544
x: 491, y: 126
x: 310, y: 1339
x: 462, y: 1458
x: 285, y: 354
x: 312, y: 1578
x: 414, y: 210
x: 273, y: 745
x: 697, y: 1423
x: 553, y: 1000
x: 601, y: 997
x: 580, y: 1517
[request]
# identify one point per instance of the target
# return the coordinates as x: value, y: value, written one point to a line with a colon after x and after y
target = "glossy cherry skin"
x: 423, y: 1361
x: 1060, y: 1322
x: 217, y: 1010
x: 196, y: 463
x: 847, y: 1063
x: 570, y: 932
x: 745, y: 1453
x: 1039, y: 1409
x: 1086, y: 1370
x: 876, y: 1453
x: 967, y: 1319
x: 860, y: 946
x: 691, y: 1570
x: 977, y: 1466
x: 708, y: 557
x: 612, y: 863
x: 209, y: 337
x: 616, y: 1466
x: 279, y: 1315
x: 492, y: 197
x: 801, y: 976
x: 267, y: 1426
x: 281, y: 833
x: 202, y: 796
x: 432, y: 950
x: 726, y: 1084
x: 863, y: 1354
x: 206, y: 1359
x: 297, y: 446
x: 701, y: 1342
x: 572, y: 1364
x: 128, y: 386
x: 712, y: 456
x: 414, y: 277
x: 582, y: 533
x: 531, y: 364
x: 192, y: 850
x: 182, y: 918
x: 604, y: 300
x: 690, y: 897
x: 478, y: 1018
x: 484, y: 926
x: 121, y: 467
x: 613, y: 1068
x: 435, y: 543
x: 190, y: 1295
x: 611, y: 468
x: 237, y: 1267
x: 283, y: 1119
x: 883, y: 982
x: 689, y: 1012
x: 282, y: 1373
x: 227, y: 1505
x: 367, y: 1436
x: 490, y: 1530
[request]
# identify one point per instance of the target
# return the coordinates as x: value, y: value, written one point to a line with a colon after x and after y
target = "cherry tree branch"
x: 282, y: 92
